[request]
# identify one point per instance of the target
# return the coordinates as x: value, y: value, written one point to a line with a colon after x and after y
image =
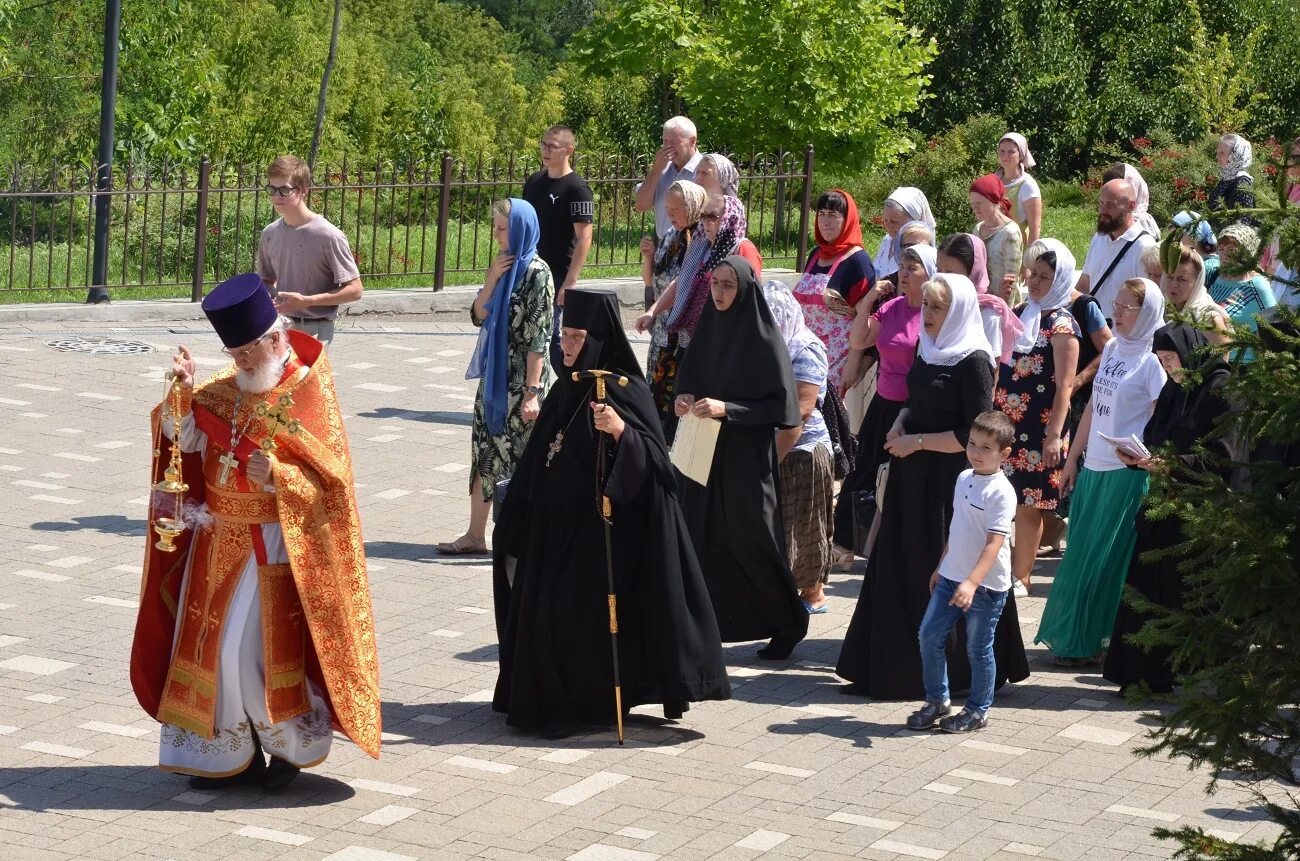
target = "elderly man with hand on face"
x: 678, y: 159
x: 255, y: 634
x: 1115, y: 253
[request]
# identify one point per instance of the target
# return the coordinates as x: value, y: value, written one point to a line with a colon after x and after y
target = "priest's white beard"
x: 262, y: 378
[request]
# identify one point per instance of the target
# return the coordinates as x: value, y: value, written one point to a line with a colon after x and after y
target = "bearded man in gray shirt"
x: 305, y: 261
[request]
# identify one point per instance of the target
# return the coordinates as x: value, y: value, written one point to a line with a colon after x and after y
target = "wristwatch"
x: 920, y: 441
x: 536, y: 390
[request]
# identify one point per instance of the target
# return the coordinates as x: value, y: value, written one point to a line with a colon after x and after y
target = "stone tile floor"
x: 786, y: 769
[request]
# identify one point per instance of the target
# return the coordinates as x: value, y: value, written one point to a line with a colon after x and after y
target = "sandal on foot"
x: 462, y: 546
x: 815, y: 610
x: 842, y: 560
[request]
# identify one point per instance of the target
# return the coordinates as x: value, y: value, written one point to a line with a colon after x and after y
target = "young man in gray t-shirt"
x: 304, y: 260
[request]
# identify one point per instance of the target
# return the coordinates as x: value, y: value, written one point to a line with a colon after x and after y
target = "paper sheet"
x: 693, y: 447
x: 1131, y: 445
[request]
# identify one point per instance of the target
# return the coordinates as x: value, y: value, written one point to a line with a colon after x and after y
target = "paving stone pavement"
x: 786, y: 769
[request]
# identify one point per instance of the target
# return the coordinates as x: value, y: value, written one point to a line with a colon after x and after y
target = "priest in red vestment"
x: 256, y: 635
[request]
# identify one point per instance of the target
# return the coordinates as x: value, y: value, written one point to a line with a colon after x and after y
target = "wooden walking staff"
x: 606, y: 510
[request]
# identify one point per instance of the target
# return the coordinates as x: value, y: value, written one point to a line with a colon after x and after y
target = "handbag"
x: 882, y: 479
x: 867, y: 506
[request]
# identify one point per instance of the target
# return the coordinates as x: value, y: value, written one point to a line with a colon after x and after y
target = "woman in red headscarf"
x: 838, y: 283
x: 1002, y: 237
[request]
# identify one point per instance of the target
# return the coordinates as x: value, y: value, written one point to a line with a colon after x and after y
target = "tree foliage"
x: 1075, y: 75
x: 1235, y: 642
x: 774, y: 75
x: 239, y: 79
x: 1216, y: 78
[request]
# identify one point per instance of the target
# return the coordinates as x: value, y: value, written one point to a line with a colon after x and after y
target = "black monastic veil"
x: 556, y: 668
x: 739, y: 357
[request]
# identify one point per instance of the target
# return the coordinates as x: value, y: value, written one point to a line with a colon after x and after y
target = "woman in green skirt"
x: 1085, y: 595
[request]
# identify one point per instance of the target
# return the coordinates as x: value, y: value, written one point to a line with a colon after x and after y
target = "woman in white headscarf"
x: 1015, y: 161
x: 718, y: 175
x: 807, y: 467
x: 904, y: 205
x: 1080, y: 612
x: 1034, y: 391
x: 893, y: 329
x: 1187, y: 294
x: 1235, y: 188
x: 949, y: 384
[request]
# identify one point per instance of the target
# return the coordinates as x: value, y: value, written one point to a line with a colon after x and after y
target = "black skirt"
x: 736, y: 526
x: 1160, y: 582
x: 880, y: 417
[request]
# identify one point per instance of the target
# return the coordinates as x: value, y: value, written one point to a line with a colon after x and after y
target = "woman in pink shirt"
x: 893, y: 330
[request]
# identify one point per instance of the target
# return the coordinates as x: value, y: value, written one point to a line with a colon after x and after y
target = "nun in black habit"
x: 549, y: 568
x: 1184, y: 415
x: 737, y: 369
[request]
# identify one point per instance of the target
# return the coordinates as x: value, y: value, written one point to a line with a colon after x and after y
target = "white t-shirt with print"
x: 1101, y: 251
x: 1124, y: 395
x: 981, y: 504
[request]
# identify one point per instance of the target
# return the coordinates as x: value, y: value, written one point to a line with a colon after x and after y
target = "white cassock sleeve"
x: 192, y: 439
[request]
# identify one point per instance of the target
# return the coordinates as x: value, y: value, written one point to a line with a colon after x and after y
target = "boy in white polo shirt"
x: 973, y: 578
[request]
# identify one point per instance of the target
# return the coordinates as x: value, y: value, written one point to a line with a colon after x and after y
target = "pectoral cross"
x: 277, y: 419
x: 229, y: 463
x: 554, y: 448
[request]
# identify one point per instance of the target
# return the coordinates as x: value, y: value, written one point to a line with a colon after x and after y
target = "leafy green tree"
x: 1276, y: 67
x: 543, y: 27
x: 774, y: 75
x: 971, y: 75
x: 615, y: 113
x: 1051, y: 102
x: 1216, y: 78
x: 239, y: 79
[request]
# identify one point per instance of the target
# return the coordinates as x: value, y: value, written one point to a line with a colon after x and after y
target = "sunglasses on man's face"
x: 280, y: 190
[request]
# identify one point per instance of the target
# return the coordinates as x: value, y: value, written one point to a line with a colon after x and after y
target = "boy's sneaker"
x: 928, y: 716
x: 966, y: 720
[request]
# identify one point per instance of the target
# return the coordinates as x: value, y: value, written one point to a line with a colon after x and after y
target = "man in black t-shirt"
x: 565, y: 211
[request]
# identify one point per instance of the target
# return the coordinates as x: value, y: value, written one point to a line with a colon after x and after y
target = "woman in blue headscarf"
x: 513, y: 311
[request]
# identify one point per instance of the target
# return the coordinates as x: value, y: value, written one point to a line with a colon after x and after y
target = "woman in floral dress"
x: 513, y: 312
x: 1034, y: 391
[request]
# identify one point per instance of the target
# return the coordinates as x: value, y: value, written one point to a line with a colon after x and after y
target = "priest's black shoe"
x: 967, y: 720
x: 853, y: 689
x: 250, y: 776
x: 928, y: 716
x: 279, y: 774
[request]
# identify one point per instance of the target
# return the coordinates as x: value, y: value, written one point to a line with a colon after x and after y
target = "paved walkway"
x: 786, y: 769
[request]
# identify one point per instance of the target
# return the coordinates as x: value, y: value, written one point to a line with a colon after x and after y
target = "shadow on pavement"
x: 481, y: 654
x: 127, y: 787
x: 421, y: 552
x: 860, y: 732
x: 439, y: 417
x: 109, y: 524
x: 474, y: 723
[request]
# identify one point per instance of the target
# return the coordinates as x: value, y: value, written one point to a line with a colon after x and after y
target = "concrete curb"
x: 452, y: 300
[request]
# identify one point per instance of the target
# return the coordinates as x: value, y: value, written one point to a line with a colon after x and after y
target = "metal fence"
x: 174, y: 231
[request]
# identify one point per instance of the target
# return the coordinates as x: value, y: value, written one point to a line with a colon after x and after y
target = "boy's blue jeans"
x: 981, y: 622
